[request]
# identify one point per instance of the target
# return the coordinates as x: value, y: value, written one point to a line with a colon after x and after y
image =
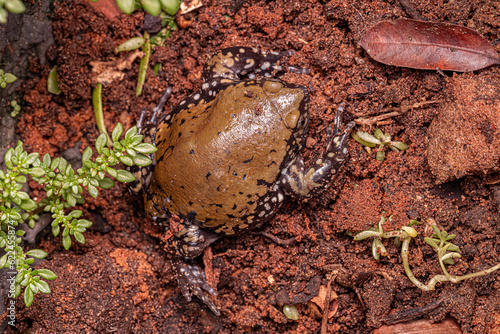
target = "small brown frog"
x: 229, y: 154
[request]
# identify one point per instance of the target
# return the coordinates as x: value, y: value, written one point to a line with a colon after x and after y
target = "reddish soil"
x: 121, y: 279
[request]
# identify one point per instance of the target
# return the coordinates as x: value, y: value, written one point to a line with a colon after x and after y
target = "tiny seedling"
x: 440, y: 242
x: 379, y: 139
x: 6, y: 78
x: 166, y: 9
x: 13, y: 6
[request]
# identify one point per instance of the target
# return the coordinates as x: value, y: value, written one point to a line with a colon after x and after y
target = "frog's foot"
x: 299, y: 180
x: 192, y: 281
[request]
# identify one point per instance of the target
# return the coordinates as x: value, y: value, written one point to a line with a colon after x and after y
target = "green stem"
x: 143, y: 67
x: 98, y: 111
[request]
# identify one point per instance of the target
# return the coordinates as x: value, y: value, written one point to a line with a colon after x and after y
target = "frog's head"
x: 291, y: 101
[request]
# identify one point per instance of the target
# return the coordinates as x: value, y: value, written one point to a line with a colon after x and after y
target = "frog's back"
x: 217, y: 159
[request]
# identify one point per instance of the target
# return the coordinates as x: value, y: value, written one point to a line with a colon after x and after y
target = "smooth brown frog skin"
x: 228, y: 154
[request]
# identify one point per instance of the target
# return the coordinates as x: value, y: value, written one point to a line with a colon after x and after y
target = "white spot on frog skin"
x: 250, y: 64
x: 196, y: 97
x: 266, y: 199
x: 265, y: 66
x: 331, y: 154
x: 344, y: 151
x: 182, y: 102
x: 170, y: 116
x: 214, y: 83
x: 274, y: 199
x: 267, y: 206
x: 261, y: 214
x: 280, y: 197
x: 242, y: 50
x: 251, y: 76
x: 205, y: 85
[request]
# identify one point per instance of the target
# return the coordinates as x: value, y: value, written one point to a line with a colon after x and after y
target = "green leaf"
x: 448, y: 261
x: 28, y: 297
x: 399, y: 145
x: 66, y: 241
x: 152, y: 7
x: 106, y: 183
x: 101, y: 142
x: 47, y: 274
x: 145, y: 148
x: 142, y: 160
x: 20, y: 233
x: 93, y: 191
x: 450, y: 236
x: 87, y: 154
x: 9, y: 77
x: 3, y: 260
x: 454, y: 248
x: 117, y: 132
x: 43, y: 287
x: 124, y: 176
x: 126, y: 160
x: 31, y: 158
x: 28, y: 204
x: 15, y: 7
x: 52, y: 83
x: 170, y: 6
x: 131, y: 132
x: 55, y: 230
x: 8, y: 157
x: 431, y: 242
x: 84, y: 223
x: 380, y: 156
x: 366, y: 139
x: 37, y: 253
x: 132, y: 44
x: 70, y: 199
x: 75, y: 214
x: 126, y: 6
x: 79, y: 237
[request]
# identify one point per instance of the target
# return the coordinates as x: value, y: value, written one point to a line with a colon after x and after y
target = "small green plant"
x: 166, y: 9
x: 13, y: 6
x: 6, y: 78
x: 64, y: 189
x: 440, y: 242
x: 16, y: 108
x: 379, y: 139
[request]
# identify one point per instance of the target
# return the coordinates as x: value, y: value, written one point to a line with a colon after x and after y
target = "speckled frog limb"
x: 229, y: 153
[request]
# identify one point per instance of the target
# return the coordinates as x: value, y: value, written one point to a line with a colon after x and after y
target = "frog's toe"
x: 192, y: 281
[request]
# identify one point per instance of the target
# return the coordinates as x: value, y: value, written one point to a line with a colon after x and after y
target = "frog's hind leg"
x: 231, y: 62
x: 190, y: 241
x: 299, y: 180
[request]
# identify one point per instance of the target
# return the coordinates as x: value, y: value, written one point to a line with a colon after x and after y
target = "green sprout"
x: 64, y: 188
x: 166, y: 9
x: 379, y: 139
x: 13, y: 6
x: 440, y: 242
x: 6, y: 78
x: 53, y: 83
x: 16, y: 108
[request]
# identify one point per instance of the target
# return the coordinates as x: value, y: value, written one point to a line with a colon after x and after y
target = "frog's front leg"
x: 299, y: 180
x: 143, y: 174
x: 190, y: 242
x: 229, y: 63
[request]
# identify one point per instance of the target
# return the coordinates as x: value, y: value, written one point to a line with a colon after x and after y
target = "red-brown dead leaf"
x: 428, y: 46
x: 320, y: 300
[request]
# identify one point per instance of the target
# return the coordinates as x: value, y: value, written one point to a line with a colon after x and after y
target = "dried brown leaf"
x: 428, y: 46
